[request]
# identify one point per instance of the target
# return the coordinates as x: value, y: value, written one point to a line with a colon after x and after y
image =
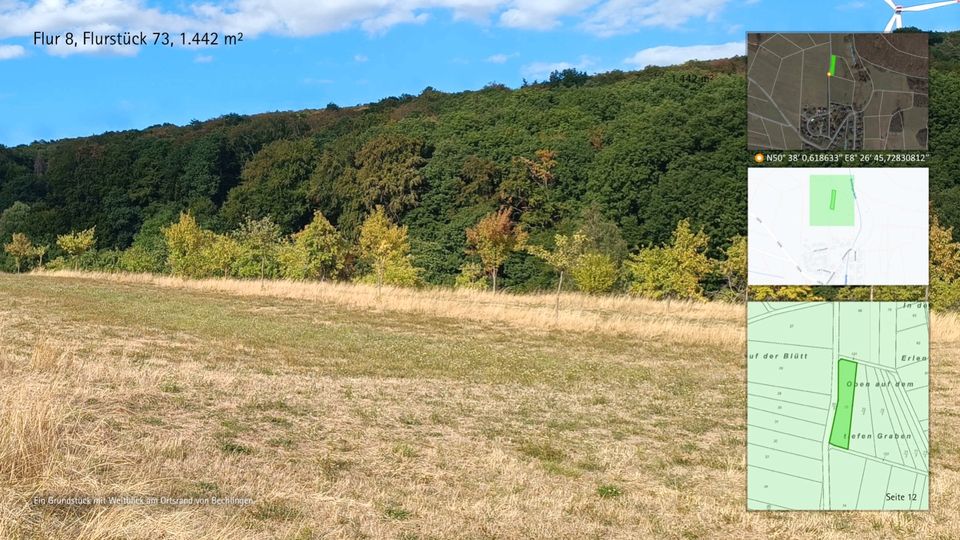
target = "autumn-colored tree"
x: 595, y: 273
x: 77, y: 243
x: 493, y: 239
x: 564, y: 255
x: 673, y: 271
x: 20, y: 248
x: 385, y: 247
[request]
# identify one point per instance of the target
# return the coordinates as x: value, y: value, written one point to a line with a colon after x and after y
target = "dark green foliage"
x: 622, y: 155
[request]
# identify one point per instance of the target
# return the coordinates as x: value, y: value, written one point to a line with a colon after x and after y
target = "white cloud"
x: 21, y: 18
x: 360, y: 58
x: 500, y: 58
x: 541, y: 14
x: 668, y: 55
x: 203, y: 59
x: 544, y: 69
x: 628, y: 16
x: 11, y: 51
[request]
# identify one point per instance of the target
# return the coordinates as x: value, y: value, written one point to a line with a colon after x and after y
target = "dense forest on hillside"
x: 631, y: 153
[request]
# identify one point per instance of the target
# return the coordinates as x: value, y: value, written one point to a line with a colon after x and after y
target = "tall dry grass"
x: 34, y: 412
x: 682, y: 323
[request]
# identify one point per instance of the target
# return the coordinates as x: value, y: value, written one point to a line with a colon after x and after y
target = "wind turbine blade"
x: 924, y: 7
x: 899, y: 21
x: 890, y: 24
x: 891, y: 4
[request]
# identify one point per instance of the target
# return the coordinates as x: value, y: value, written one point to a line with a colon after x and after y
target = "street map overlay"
x: 838, y: 406
x: 864, y: 91
x: 832, y: 226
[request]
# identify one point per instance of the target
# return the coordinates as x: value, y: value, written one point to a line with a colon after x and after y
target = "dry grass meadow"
x: 341, y: 413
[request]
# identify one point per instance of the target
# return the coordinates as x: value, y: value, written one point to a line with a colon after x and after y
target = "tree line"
x: 680, y: 269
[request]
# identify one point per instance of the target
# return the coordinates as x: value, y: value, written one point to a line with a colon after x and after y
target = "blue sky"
x: 300, y: 54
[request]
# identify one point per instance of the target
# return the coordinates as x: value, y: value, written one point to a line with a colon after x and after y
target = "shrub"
x: 595, y: 273
x: 472, y: 277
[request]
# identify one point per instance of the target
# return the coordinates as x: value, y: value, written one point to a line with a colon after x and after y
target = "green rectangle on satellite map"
x: 832, y: 200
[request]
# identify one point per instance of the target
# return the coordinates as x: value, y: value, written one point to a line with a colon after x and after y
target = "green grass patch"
x: 609, y: 491
x: 543, y: 451
x: 397, y: 512
x: 230, y: 446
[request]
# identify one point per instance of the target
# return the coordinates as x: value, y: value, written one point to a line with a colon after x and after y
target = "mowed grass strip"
x: 328, y: 339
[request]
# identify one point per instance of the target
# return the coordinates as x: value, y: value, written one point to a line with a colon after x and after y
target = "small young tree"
x: 734, y: 265
x: 322, y: 249
x: 595, y: 273
x: 385, y: 247
x: 293, y: 261
x: 222, y: 253
x: 20, y: 249
x: 39, y: 252
x: 262, y: 238
x: 77, y: 243
x: 565, y: 254
x: 494, y: 238
x: 673, y: 271
x: 472, y: 277
x: 187, y: 244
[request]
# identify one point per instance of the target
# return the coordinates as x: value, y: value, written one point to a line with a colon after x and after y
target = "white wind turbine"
x: 897, y: 18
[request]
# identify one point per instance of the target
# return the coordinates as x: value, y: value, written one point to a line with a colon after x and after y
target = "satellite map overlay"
x: 838, y: 406
x: 833, y: 92
x: 838, y: 226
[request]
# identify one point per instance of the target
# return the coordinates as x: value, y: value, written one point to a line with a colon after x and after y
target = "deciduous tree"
x: 385, y: 247
x: 20, y: 248
x: 564, y: 255
x: 187, y: 245
x: 322, y: 249
x: 673, y: 271
x: 77, y: 243
x: 493, y: 239
x: 389, y: 172
x: 261, y: 238
x: 595, y: 273
x: 734, y: 265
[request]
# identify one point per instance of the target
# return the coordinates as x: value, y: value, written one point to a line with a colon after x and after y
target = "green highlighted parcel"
x: 843, y: 415
x: 833, y: 65
x: 832, y: 200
